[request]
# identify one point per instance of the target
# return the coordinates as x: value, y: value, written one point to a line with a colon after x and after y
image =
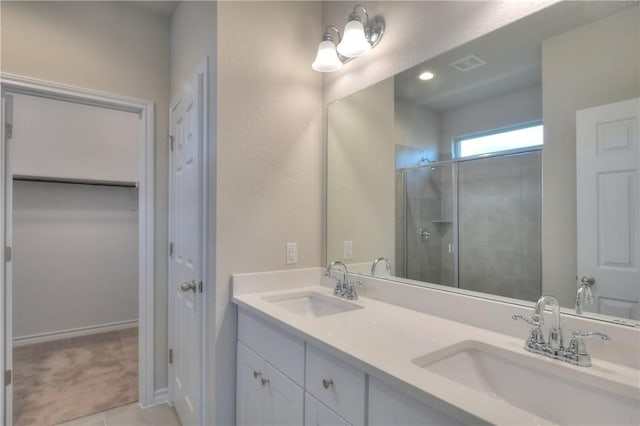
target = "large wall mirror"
x: 506, y: 167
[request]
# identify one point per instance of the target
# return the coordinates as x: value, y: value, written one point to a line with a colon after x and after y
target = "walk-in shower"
x: 472, y: 223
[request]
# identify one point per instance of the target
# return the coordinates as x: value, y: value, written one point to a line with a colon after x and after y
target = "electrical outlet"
x: 348, y: 250
x: 291, y: 253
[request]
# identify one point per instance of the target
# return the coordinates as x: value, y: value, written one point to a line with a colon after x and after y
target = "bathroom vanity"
x: 403, y: 354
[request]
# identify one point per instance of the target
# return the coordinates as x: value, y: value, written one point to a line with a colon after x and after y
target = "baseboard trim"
x: 74, y: 332
x: 160, y: 396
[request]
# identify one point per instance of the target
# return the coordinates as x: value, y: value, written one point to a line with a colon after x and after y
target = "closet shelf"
x: 76, y: 181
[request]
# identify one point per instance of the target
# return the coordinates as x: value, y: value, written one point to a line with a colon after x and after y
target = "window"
x: 500, y: 140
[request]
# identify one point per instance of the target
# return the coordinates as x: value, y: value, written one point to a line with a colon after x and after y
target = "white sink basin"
x: 310, y: 304
x: 544, y: 388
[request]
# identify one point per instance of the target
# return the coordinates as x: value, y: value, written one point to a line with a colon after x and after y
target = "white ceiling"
x: 162, y: 8
x: 512, y: 54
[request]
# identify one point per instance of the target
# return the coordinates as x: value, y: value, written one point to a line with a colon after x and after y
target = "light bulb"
x: 327, y: 59
x: 427, y: 75
x: 353, y: 43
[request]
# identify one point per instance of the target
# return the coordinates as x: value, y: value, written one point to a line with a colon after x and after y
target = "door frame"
x: 200, y: 76
x: 15, y: 84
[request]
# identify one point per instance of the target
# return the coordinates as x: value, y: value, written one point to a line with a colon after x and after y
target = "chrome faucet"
x: 344, y: 287
x: 387, y: 266
x: 584, y: 294
x: 575, y: 353
x: 555, y: 331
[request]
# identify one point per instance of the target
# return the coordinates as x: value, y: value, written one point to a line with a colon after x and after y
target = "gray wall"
x: 416, y: 132
x: 114, y: 47
x: 360, y: 170
x: 499, y: 216
x: 519, y: 106
x: 271, y: 150
x: 266, y: 144
x: 576, y: 71
x: 75, y: 256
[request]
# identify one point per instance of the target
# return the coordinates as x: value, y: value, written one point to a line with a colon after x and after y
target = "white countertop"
x: 382, y: 339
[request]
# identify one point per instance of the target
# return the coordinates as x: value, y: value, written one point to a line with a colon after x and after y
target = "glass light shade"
x: 327, y: 59
x: 353, y: 43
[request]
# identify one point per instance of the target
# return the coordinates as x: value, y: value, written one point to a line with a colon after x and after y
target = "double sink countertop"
x: 394, y: 344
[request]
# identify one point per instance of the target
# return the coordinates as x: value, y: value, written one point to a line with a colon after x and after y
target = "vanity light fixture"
x: 427, y: 75
x: 359, y: 38
x: 327, y: 59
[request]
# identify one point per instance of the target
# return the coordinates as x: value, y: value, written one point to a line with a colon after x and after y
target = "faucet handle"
x: 578, y: 351
x: 602, y: 336
x: 531, y: 321
x: 536, y: 337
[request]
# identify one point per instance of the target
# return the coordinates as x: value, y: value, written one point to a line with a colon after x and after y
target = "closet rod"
x: 75, y: 181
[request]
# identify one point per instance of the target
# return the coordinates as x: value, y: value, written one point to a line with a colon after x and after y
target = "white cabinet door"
x: 318, y: 414
x: 249, y: 389
x: 389, y: 406
x: 283, y: 399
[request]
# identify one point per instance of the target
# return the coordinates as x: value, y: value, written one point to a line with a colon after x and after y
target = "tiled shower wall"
x: 499, y: 216
x: 429, y: 206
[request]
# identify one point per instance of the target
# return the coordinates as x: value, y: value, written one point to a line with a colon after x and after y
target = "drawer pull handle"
x: 264, y: 381
x: 327, y: 383
x: 256, y: 374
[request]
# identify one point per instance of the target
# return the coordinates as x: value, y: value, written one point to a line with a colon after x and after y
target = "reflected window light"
x: 500, y: 140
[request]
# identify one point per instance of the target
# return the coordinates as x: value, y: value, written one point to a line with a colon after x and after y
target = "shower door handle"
x: 424, y: 234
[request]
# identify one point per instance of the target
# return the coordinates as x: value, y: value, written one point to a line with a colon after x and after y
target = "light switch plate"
x: 348, y: 250
x: 291, y: 253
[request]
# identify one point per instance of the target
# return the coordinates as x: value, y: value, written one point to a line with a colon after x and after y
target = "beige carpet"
x: 59, y: 381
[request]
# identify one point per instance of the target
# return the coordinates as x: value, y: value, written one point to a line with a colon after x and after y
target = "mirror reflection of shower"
x: 472, y: 223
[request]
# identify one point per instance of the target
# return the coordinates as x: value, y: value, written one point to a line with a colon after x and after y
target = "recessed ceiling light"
x: 427, y: 75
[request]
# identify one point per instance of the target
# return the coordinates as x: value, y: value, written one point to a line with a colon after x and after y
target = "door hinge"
x: 170, y: 249
x: 200, y: 286
x: 8, y: 377
x: 7, y: 254
x: 170, y: 356
x: 8, y: 130
x: 171, y: 142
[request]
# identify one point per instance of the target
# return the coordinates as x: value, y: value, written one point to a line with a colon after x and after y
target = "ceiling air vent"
x: 467, y: 63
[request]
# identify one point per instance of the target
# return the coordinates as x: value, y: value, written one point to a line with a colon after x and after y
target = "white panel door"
x: 608, y: 204
x: 186, y: 233
x: 6, y: 293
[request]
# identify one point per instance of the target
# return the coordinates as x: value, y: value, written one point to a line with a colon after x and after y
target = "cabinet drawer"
x: 318, y: 414
x: 337, y: 384
x: 281, y: 349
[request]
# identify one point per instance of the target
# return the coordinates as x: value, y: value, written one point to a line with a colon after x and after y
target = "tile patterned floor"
x: 131, y: 415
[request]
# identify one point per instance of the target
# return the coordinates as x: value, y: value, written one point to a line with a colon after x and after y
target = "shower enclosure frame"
x: 401, y: 174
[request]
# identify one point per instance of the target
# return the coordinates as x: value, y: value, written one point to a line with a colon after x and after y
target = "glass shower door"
x: 428, y: 230
x: 499, y: 225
